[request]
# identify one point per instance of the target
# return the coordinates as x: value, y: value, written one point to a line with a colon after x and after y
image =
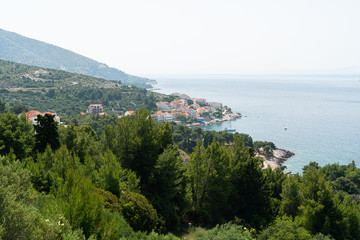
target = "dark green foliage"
x: 227, y: 231
x: 111, y: 202
x: 274, y: 180
x: 249, y: 199
x: 291, y: 197
x: 320, y: 212
x: 138, y: 212
x: 137, y: 141
x: 186, y: 138
x: 46, y: 133
x: 19, y: 108
x: 146, y: 148
x: 114, y: 178
x: 227, y: 182
x: 134, y: 178
x: 345, y: 184
x: 168, y: 184
x: 19, y: 219
x: 343, y: 178
x: 16, y: 134
x: 80, y: 203
x: 285, y: 229
x: 96, y: 122
x: 82, y: 140
x: 2, y: 107
x: 317, y: 207
x: 259, y: 144
x: 267, y: 147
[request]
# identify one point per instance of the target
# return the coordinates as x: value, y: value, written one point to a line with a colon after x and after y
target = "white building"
x: 128, y: 113
x: 158, y: 116
x: 164, y: 106
x: 216, y: 105
x: 185, y: 96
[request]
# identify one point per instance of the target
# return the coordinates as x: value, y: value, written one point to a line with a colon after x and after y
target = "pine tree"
x: 46, y: 133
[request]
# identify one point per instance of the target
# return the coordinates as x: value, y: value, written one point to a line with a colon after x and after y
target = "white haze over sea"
x: 321, y: 112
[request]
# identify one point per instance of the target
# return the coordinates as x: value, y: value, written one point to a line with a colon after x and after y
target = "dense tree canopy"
x: 136, y: 181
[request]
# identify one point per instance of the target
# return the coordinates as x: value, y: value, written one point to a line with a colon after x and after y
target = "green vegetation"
x: 24, y: 50
x: 265, y: 147
x: 102, y: 177
x: 24, y: 87
x: 131, y: 183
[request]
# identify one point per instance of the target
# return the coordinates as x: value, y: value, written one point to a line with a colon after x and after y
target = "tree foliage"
x: 46, y: 133
x: 17, y: 135
x: 133, y: 178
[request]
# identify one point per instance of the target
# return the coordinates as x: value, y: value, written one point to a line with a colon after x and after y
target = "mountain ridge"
x: 17, y: 48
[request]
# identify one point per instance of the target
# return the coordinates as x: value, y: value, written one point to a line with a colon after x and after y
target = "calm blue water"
x: 322, y: 114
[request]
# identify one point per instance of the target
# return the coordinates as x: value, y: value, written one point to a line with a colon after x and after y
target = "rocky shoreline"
x: 278, y: 158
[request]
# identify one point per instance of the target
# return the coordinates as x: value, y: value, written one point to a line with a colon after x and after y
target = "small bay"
x: 321, y: 113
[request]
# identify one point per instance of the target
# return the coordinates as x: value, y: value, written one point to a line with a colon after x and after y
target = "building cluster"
x: 32, y: 116
x: 195, y: 108
x: 168, y: 111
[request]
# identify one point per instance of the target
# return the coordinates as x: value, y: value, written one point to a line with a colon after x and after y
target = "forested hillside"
x: 20, y: 49
x: 67, y: 93
x: 130, y: 182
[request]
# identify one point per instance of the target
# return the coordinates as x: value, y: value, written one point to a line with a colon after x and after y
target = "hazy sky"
x: 197, y: 36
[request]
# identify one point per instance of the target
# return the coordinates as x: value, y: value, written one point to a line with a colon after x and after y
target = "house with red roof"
x: 32, y: 116
x: 158, y: 116
x: 201, y: 101
x: 95, y: 108
x: 195, y: 106
x: 128, y: 113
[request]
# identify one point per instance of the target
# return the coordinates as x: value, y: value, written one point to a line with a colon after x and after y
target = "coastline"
x: 227, y: 117
x: 278, y: 158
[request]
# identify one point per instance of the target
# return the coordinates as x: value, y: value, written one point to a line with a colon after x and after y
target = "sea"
x: 317, y: 117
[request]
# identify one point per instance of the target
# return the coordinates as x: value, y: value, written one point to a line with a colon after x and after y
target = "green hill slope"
x: 20, y: 49
x: 68, y: 93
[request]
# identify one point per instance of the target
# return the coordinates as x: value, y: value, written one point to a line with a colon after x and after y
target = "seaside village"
x: 184, y: 110
x: 193, y: 111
